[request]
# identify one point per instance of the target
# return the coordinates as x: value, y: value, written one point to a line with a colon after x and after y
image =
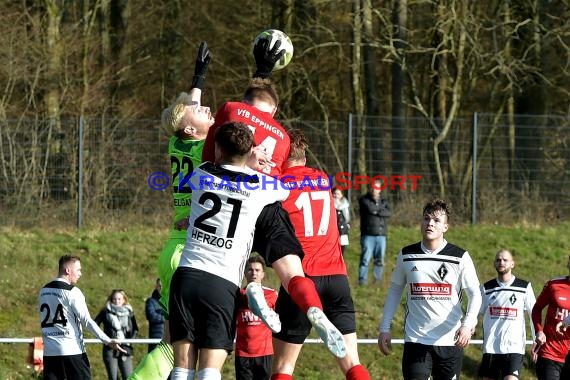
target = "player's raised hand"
x: 266, y: 57
x: 201, y: 67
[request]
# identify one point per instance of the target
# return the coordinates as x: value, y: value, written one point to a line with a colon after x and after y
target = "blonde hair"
x: 173, y: 115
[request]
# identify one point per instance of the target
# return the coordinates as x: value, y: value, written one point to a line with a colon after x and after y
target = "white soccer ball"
x: 274, y: 35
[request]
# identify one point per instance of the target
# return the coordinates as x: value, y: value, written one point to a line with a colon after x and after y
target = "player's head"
x: 255, y: 269
x: 187, y: 119
x: 234, y: 142
x: 262, y: 95
x: 435, y: 220
x: 70, y: 268
x: 297, y: 149
x: 504, y: 261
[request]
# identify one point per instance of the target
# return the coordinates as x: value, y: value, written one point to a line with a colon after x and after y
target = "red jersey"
x: 555, y: 295
x: 312, y: 212
x: 253, y: 338
x: 266, y: 131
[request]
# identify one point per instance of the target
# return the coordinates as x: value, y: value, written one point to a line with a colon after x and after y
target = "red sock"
x: 281, y: 376
x: 358, y: 372
x: 303, y: 292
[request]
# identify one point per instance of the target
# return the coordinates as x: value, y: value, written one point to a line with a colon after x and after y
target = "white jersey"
x: 226, y: 202
x: 63, y: 311
x: 434, y: 291
x: 503, y: 308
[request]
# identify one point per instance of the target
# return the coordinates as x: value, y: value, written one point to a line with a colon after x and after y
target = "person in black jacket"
x: 374, y: 214
x: 154, y: 315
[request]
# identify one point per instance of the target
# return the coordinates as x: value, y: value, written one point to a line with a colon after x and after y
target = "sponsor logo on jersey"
x: 415, y: 269
x: 497, y: 311
x: 428, y: 289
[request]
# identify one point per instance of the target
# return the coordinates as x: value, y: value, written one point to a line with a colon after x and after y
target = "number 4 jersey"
x: 226, y: 202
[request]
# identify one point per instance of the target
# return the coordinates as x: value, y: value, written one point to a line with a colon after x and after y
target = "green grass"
x: 114, y: 257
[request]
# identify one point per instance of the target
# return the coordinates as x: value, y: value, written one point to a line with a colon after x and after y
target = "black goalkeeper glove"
x: 202, y: 61
x: 265, y: 58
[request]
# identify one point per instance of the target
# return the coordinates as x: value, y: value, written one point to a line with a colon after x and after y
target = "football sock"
x: 358, y: 372
x: 209, y: 374
x: 303, y: 292
x: 180, y: 374
x: 157, y: 364
x: 281, y: 376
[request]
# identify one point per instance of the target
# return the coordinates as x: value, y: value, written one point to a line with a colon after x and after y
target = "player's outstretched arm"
x: 266, y: 57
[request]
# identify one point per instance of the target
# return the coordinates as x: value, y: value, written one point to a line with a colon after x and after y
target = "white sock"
x: 180, y: 374
x: 191, y: 373
x: 209, y: 374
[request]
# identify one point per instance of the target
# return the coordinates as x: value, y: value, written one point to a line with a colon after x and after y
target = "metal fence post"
x: 474, y: 172
x: 80, y: 173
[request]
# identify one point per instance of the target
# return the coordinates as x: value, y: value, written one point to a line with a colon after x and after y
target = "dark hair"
x: 64, y: 260
x: 299, y: 144
x: 261, y: 89
x: 256, y: 259
x: 234, y: 139
x: 437, y: 205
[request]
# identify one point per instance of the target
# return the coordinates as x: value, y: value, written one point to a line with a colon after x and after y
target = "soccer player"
x: 553, y: 361
x: 254, y: 348
x: 62, y: 311
x: 227, y: 201
x: 189, y: 123
x: 435, y: 273
x: 312, y: 212
x: 505, y: 300
x: 256, y: 110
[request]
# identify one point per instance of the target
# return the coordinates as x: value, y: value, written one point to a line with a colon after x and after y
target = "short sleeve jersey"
x: 226, y: 203
x: 504, y: 307
x: 556, y: 296
x: 253, y: 337
x: 62, y: 311
x: 266, y: 132
x: 185, y: 155
x: 434, y: 291
x: 312, y: 212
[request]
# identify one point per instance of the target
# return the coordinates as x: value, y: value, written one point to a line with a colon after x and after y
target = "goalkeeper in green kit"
x: 189, y: 123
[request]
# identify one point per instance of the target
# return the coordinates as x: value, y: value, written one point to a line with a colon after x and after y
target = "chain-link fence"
x: 97, y: 170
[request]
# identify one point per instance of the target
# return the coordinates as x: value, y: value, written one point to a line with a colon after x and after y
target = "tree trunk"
x: 399, y: 20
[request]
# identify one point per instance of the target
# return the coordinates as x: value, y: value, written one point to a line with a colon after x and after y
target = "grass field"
x: 114, y: 257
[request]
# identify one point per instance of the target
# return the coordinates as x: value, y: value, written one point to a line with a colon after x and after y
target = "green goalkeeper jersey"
x: 185, y: 155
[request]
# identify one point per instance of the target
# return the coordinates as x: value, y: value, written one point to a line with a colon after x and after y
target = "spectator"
x: 342, y: 216
x: 254, y: 347
x: 435, y: 274
x: 63, y: 311
x: 119, y: 322
x: 505, y: 300
x: 154, y: 315
x: 374, y: 214
x: 553, y: 361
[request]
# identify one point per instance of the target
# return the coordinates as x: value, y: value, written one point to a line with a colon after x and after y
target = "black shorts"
x: 338, y: 306
x: 70, y: 367
x: 547, y: 369
x: 203, y: 309
x: 254, y: 368
x: 419, y: 361
x: 275, y: 235
x: 497, y: 366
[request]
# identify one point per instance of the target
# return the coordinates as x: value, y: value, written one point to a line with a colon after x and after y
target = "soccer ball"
x: 274, y: 35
